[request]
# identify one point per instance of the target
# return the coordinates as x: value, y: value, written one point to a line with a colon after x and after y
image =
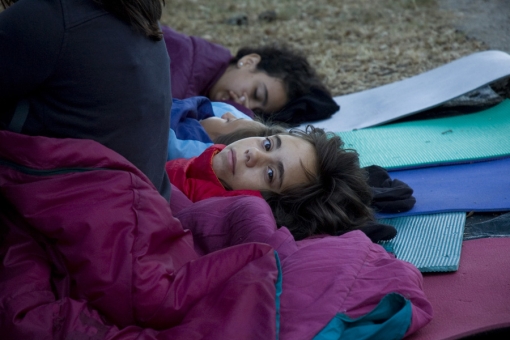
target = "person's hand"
x: 243, y: 99
x: 228, y: 116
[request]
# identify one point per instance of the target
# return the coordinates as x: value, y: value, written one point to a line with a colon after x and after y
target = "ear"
x: 249, y: 60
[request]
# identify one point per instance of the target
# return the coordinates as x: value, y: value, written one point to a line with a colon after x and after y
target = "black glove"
x: 389, y: 196
x: 313, y: 106
x: 377, y: 231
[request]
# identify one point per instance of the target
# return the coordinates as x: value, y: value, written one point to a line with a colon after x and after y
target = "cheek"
x: 226, y: 128
x: 234, y: 80
x: 248, y: 180
x: 222, y: 129
x: 246, y: 82
x: 219, y: 166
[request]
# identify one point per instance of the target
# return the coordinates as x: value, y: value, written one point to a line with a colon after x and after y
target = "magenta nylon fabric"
x: 321, y: 276
x: 218, y: 286
x: 99, y: 254
x: 195, y: 63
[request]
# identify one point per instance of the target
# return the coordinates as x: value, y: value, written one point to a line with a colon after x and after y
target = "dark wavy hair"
x: 282, y: 62
x: 142, y: 15
x: 336, y: 199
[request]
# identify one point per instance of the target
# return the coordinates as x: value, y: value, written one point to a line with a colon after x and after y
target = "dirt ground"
x: 485, y: 20
x: 354, y: 44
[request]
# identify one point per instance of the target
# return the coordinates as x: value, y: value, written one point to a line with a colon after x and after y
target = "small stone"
x: 238, y: 20
x: 268, y: 16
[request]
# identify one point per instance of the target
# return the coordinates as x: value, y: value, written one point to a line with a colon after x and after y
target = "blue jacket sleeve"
x: 184, y: 148
x: 187, y: 137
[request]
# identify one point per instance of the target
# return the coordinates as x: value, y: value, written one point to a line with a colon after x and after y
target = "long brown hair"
x: 142, y: 15
x: 336, y: 199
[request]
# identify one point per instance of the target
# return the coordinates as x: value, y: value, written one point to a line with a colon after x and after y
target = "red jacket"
x: 196, y: 179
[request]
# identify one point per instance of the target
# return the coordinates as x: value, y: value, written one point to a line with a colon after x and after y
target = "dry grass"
x: 354, y: 44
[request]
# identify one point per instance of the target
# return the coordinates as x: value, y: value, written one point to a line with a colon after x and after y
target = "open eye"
x: 267, y: 144
x: 270, y: 174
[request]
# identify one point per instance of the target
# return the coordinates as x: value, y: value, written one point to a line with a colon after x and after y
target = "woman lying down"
x: 312, y: 184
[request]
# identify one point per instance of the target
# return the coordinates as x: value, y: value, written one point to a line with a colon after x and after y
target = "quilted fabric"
x: 90, y: 248
x: 86, y: 232
x: 322, y: 276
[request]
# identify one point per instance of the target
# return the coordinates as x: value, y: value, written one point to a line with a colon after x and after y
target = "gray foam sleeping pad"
x: 427, y: 90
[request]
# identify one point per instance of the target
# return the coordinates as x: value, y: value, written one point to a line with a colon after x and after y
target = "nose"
x: 228, y: 115
x: 255, y: 157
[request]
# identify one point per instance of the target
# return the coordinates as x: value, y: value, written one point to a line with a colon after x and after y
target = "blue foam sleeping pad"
x: 481, y: 186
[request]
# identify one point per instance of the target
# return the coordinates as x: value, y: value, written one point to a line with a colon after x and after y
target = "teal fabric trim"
x: 389, y: 320
x: 464, y: 138
x: 278, y: 294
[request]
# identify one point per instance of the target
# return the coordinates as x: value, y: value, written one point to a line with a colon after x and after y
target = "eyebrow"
x: 264, y: 102
x: 278, y: 141
x: 281, y: 170
x: 279, y: 165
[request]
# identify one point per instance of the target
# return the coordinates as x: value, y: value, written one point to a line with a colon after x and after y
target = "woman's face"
x: 216, y: 126
x: 275, y: 163
x: 243, y: 84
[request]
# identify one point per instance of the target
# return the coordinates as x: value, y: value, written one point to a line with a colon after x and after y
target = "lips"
x: 232, y: 159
